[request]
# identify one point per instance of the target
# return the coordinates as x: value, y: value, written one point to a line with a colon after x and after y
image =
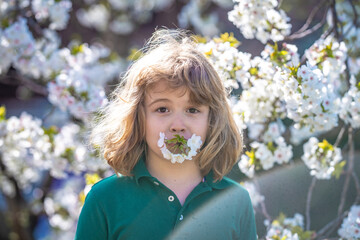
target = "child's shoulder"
x: 113, y: 184
x: 235, y: 187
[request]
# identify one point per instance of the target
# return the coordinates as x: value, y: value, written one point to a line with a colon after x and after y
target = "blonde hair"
x: 169, y: 55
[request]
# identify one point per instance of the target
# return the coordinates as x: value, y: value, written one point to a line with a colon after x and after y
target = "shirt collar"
x: 221, y: 184
x: 140, y: 171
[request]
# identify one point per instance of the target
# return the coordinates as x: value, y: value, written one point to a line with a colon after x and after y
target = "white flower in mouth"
x: 177, y: 158
x: 161, y: 140
x: 166, y: 153
x: 194, y: 142
x: 185, y: 149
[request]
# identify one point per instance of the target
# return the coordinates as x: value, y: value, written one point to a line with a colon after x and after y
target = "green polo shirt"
x: 141, y: 207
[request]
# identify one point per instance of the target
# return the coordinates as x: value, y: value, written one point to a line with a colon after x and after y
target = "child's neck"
x: 180, y: 178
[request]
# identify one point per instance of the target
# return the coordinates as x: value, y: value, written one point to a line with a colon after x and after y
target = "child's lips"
x: 174, y: 148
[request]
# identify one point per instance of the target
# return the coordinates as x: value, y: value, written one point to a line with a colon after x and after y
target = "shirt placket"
x: 174, y: 202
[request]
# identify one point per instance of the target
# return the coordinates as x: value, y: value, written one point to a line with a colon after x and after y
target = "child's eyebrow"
x: 159, y: 100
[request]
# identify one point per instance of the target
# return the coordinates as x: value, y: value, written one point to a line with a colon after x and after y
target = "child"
x: 169, y: 132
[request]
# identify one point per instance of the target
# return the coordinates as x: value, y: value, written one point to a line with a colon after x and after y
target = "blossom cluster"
x: 185, y: 149
x: 70, y: 155
x: 79, y: 72
x: 350, y: 105
x: 309, y: 100
x: 79, y: 88
x: 286, y: 56
x: 256, y: 105
x: 329, y: 55
x: 53, y: 13
x: 121, y: 17
x: 350, y: 227
x: 321, y: 158
x: 63, y: 208
x: 347, y: 16
x: 56, y: 12
x: 25, y: 152
x: 287, y: 228
x: 260, y: 20
x: 15, y: 41
x: 231, y: 64
x: 265, y: 155
x: 28, y: 151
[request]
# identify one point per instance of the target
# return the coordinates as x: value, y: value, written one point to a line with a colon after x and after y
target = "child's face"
x: 171, y: 112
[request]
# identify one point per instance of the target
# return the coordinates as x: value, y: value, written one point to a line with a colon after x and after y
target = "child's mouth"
x: 178, y: 148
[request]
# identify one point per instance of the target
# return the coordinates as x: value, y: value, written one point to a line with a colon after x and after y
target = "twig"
x: 48, y: 113
x: 311, y: 17
x: 357, y: 186
x: 335, y: 18
x: 349, y: 171
x: 262, y: 203
x: 355, y: 13
x: 302, y: 34
x: 308, y: 203
x: 33, y: 86
x: 330, y: 225
x: 339, y: 137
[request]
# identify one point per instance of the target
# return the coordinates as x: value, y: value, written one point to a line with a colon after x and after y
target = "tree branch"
x: 357, y: 186
x: 339, y: 137
x: 335, y: 18
x: 355, y: 13
x: 262, y: 204
x: 311, y: 16
x: 308, y: 203
x: 328, y: 226
x: 304, y: 33
x: 348, y: 172
x: 33, y: 86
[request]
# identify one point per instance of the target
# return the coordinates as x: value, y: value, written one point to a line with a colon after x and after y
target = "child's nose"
x: 177, y: 125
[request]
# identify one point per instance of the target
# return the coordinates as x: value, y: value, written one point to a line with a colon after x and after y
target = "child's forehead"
x: 164, y: 90
x: 163, y: 87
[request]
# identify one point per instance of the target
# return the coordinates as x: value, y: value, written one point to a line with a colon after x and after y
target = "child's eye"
x: 193, y: 110
x: 162, y: 110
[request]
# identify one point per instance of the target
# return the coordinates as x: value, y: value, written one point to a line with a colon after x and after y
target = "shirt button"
x: 181, y: 217
x: 171, y: 198
x: 156, y: 183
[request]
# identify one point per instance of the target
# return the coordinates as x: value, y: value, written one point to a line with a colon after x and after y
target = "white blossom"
x: 259, y: 19
x: 321, y: 160
x: 281, y: 229
x: 350, y: 227
x: 350, y: 105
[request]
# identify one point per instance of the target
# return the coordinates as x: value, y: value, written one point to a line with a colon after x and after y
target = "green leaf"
x: 51, y: 132
x: 303, y: 235
x: 5, y: 23
x: 271, y: 147
x: 2, y: 113
x: 338, y: 169
x: 199, y: 39
x: 226, y: 37
x: 253, y: 71
x: 134, y: 55
x: 77, y: 49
